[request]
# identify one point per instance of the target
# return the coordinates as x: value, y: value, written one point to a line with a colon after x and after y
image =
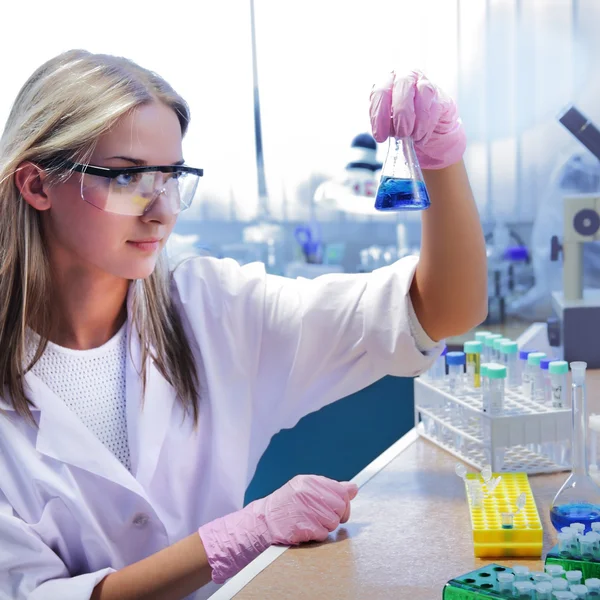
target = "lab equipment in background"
x: 267, y: 237
x: 354, y: 190
x: 558, y: 370
x: 309, y: 240
x: 473, y: 357
x: 528, y: 435
x: 402, y: 186
x: 554, y: 338
x: 578, y: 500
x: 373, y: 257
x: 510, y: 352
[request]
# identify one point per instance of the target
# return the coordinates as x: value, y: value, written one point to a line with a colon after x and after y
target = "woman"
x: 137, y: 402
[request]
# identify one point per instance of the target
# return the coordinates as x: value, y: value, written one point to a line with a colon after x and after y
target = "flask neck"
x: 578, y: 439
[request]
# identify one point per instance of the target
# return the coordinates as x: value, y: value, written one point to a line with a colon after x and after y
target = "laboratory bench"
x: 408, y: 535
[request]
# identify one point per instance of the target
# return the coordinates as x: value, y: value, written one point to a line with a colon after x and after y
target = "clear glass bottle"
x: 401, y: 186
x: 578, y: 500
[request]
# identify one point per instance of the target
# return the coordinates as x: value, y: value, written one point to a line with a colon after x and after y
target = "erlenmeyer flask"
x: 578, y: 500
x: 401, y: 186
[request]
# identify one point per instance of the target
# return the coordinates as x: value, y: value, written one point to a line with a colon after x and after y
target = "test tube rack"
x: 490, y: 539
x: 479, y: 584
x: 528, y: 437
x: 589, y: 568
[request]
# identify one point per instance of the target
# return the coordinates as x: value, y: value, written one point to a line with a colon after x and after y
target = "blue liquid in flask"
x: 565, y: 514
x: 401, y: 194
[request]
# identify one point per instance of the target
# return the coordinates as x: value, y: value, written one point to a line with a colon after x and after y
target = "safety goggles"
x: 133, y: 190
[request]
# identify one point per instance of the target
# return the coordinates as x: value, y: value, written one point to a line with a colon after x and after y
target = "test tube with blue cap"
x: 545, y: 395
x: 534, y: 374
x: 456, y: 368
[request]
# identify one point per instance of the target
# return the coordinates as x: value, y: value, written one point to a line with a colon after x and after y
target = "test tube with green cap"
x: 497, y: 376
x: 558, y: 370
x: 534, y: 373
x: 473, y: 354
x: 489, y: 344
x: 480, y: 337
x: 510, y: 352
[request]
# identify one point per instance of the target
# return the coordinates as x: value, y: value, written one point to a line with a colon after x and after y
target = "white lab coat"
x: 271, y: 350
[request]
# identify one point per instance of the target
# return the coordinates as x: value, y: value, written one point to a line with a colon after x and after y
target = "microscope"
x: 577, y: 324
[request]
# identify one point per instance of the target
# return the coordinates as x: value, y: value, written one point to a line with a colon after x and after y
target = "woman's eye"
x: 126, y: 178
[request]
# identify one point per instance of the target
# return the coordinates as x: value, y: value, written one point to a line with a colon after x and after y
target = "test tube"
x: 481, y: 335
x: 489, y: 344
x: 545, y: 394
x: 573, y: 577
x: 524, y: 589
x: 510, y: 352
x: 535, y: 373
x: 543, y: 590
x: 498, y: 356
x: 593, y: 585
x: 437, y: 372
x: 564, y: 544
x: 539, y: 576
x: 586, y: 546
x: 506, y: 583
x: 580, y: 591
x: 497, y: 376
x: 456, y: 369
x: 558, y: 370
x: 579, y: 528
x: 523, y: 354
x: 594, y: 538
x: 473, y: 360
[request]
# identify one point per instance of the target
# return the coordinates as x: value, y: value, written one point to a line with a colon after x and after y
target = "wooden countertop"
x: 409, y: 533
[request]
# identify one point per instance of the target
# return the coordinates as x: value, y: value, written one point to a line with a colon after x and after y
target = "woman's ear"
x: 29, y: 179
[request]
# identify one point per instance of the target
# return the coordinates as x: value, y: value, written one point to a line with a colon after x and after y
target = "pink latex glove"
x: 305, y: 509
x: 412, y: 106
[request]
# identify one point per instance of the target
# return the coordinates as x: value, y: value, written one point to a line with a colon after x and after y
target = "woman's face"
x: 86, y: 237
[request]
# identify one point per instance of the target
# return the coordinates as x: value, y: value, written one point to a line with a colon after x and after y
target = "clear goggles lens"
x: 135, y: 193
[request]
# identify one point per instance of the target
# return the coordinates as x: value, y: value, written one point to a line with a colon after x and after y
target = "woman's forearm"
x: 171, y: 574
x: 449, y: 290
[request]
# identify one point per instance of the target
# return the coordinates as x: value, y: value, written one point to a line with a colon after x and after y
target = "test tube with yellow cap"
x: 473, y: 358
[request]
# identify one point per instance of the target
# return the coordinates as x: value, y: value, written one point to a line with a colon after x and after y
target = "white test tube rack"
x: 528, y: 437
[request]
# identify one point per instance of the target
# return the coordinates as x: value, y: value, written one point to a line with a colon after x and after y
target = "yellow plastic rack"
x: 490, y: 539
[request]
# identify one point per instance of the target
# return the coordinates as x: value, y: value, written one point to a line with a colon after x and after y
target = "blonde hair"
x: 57, y: 117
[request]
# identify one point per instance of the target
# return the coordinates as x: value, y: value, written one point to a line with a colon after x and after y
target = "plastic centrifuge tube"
x: 497, y: 376
x: 524, y: 589
x: 508, y: 519
x: 580, y: 591
x: 456, y: 369
x: 543, y: 590
x: 593, y: 585
x: 534, y: 373
x: 402, y: 186
x: 485, y: 388
x: 521, y: 573
x: 559, y: 584
x: 586, y: 546
x: 510, y: 351
x: 545, y: 394
x: 523, y: 354
x: 564, y: 544
x: 473, y: 360
x: 489, y: 344
x: 594, y: 538
x: 558, y: 370
x: 506, y: 583
x: 574, y: 577
x: 539, y: 576
x: 555, y: 571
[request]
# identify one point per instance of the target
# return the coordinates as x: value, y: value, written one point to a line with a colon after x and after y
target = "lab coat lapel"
x: 63, y: 437
x: 148, y: 414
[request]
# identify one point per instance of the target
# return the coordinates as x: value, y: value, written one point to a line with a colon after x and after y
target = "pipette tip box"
x: 490, y: 539
x: 479, y: 584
